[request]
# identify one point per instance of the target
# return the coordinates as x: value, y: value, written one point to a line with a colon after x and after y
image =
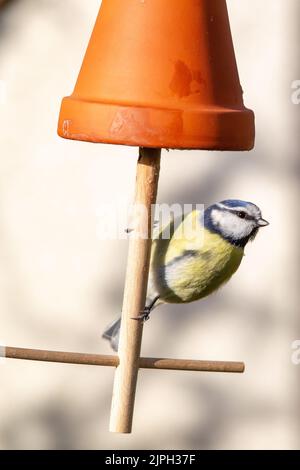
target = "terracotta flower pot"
x: 160, y: 73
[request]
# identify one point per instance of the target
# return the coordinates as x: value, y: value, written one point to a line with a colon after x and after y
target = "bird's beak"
x: 262, y: 223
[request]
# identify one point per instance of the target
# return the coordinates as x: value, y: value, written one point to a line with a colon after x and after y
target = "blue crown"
x: 231, y: 203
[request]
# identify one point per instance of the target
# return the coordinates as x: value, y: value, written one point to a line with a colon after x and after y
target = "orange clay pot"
x: 160, y: 73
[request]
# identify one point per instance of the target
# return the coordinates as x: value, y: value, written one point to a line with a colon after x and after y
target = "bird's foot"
x: 144, y: 315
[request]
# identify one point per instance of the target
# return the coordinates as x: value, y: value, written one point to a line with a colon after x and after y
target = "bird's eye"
x: 242, y: 215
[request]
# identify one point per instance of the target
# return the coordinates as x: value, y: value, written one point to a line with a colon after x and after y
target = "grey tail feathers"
x: 112, y: 333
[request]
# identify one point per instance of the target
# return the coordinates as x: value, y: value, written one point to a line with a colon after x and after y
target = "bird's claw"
x: 144, y: 316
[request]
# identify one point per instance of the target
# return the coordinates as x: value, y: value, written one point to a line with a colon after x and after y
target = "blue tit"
x: 184, y: 269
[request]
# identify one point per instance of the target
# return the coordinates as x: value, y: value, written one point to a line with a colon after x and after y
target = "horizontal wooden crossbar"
x: 113, y: 361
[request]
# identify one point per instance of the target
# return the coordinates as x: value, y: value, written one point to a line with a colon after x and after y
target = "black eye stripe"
x: 243, y: 215
x: 237, y: 212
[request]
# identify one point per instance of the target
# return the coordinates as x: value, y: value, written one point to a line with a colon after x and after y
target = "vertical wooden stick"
x: 135, y: 292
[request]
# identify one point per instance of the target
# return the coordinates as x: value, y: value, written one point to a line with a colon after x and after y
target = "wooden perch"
x: 148, y: 167
x: 113, y: 361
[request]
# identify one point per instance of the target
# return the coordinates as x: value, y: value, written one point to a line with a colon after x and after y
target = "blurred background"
x: 60, y: 285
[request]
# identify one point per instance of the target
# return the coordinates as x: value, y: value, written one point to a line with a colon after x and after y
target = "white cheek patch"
x: 218, y: 217
x: 230, y: 225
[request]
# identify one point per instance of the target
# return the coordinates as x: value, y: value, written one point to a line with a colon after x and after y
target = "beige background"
x: 60, y: 285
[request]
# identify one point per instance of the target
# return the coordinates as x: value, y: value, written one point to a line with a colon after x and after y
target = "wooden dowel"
x: 135, y: 291
x: 192, y: 365
x: 60, y: 357
x: 113, y: 361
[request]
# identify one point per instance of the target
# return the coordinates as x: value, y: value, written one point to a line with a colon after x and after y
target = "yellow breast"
x: 184, y: 270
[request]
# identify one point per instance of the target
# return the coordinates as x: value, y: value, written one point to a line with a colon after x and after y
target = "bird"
x: 185, y: 269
